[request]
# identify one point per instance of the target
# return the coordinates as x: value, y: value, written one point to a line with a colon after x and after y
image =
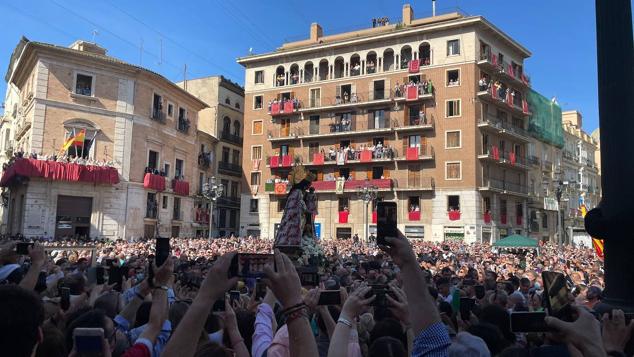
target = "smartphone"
x: 22, y: 248
x: 234, y: 296
x: 162, y: 250
x: 524, y: 321
x: 466, y: 306
x: 309, y: 278
x: 380, y: 290
x: 99, y: 272
x: 219, y: 306
x: 386, y: 222
x: 479, y: 291
x: 88, y: 340
x: 64, y: 303
x: 556, y: 290
x: 91, y: 275
x: 115, y: 277
x: 329, y: 297
x: 246, y: 265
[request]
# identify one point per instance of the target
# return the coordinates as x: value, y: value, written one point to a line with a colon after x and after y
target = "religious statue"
x: 297, y: 220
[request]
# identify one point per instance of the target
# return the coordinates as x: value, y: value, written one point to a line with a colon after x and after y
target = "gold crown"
x: 299, y: 173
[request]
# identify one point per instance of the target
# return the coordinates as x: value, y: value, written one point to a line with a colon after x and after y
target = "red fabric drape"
x: 60, y: 171
x: 275, y: 108
x: 374, y: 217
x: 154, y: 182
x: 366, y: 156
x: 318, y: 159
x: 280, y: 188
x: 412, y: 92
x: 287, y: 160
x: 487, y: 218
x: 414, y: 216
x: 414, y: 66
x: 503, y: 218
x: 324, y: 185
x: 275, y: 161
x: 411, y: 153
x: 343, y: 217
x: 180, y: 187
x: 496, y: 153
x: 288, y: 106
x: 454, y: 215
x: 512, y: 157
x: 518, y: 220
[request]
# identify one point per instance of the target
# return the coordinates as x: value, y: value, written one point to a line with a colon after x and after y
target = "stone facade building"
x: 139, y: 122
x: 453, y: 146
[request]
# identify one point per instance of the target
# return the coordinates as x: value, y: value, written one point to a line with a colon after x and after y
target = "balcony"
x: 283, y: 107
x: 232, y: 138
x: 158, y: 115
x: 501, y: 186
x: 229, y: 202
x: 351, y: 185
x: 502, y: 128
x: 229, y: 168
x: 352, y: 157
x: 414, y: 93
x: 151, y: 210
x: 507, y: 158
x: 345, y: 100
x: 505, y: 70
x: 342, y: 126
x: 414, y: 123
x: 183, y: 125
x: 201, y: 216
x: 420, y: 153
x: 415, y: 183
x: 504, y: 101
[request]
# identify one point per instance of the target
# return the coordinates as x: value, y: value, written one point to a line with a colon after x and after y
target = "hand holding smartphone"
x: 246, y: 265
x: 329, y: 297
x: 88, y: 341
x: 22, y: 248
x: 386, y: 222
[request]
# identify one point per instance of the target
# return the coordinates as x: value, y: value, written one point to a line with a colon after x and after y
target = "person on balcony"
x: 397, y: 89
x: 356, y: 69
x: 346, y: 97
x: 483, y: 83
x: 354, y: 98
x: 337, y: 100
x: 370, y: 66
x: 295, y: 78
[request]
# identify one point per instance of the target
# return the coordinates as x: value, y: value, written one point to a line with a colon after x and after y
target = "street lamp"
x: 211, y: 191
x: 367, y: 193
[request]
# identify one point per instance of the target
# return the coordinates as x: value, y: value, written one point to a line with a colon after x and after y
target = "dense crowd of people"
x: 395, y: 300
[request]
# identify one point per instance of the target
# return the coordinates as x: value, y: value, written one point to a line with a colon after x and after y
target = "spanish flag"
x: 598, y: 247
x: 67, y: 143
x: 79, y: 138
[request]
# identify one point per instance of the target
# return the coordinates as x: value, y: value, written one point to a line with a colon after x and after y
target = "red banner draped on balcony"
x: 275, y: 161
x: 414, y: 216
x: 411, y: 153
x: 366, y: 156
x: 287, y: 160
x: 525, y: 106
x: 324, y: 185
x: 288, y: 106
x: 494, y: 59
x: 414, y: 66
x: 318, y: 159
x: 487, y: 218
x: 495, y: 152
x: 524, y: 79
x: 454, y: 215
x: 60, y: 171
x: 154, y: 182
x: 275, y: 108
x: 512, y: 157
x: 503, y: 218
x: 509, y: 70
x: 379, y: 183
x: 494, y: 92
x: 518, y: 220
x: 509, y: 99
x: 374, y: 217
x: 343, y: 217
x: 180, y: 187
x: 280, y: 188
x: 412, y: 92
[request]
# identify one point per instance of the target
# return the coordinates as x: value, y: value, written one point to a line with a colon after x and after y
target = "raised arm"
x: 38, y: 258
x: 158, y: 312
x: 351, y: 310
x: 184, y: 340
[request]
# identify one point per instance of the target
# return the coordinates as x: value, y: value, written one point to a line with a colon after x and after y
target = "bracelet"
x: 292, y: 310
x: 295, y: 314
x: 301, y: 304
x: 345, y: 322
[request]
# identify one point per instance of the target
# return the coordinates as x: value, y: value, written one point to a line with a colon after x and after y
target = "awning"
x: 516, y: 241
x: 59, y: 171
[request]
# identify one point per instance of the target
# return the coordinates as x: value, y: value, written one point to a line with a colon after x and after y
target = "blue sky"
x: 209, y: 35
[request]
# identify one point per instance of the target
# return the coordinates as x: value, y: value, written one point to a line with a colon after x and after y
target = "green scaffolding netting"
x: 545, y: 120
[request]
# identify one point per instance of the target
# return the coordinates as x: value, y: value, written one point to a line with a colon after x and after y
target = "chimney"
x: 85, y: 46
x: 408, y: 14
x: 316, y: 32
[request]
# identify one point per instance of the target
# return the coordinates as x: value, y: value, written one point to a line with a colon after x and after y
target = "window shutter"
x: 388, y: 88
x: 371, y: 90
x: 386, y: 173
x: 338, y: 91
x: 353, y: 90
x: 368, y: 173
x: 320, y: 175
x: 405, y: 145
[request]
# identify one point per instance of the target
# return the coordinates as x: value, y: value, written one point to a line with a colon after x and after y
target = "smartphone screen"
x: 466, y: 305
x: 479, y: 291
x: 386, y: 222
x: 556, y: 290
x: 528, y: 322
x: 250, y: 265
x: 65, y: 298
x: 22, y: 248
x: 114, y: 277
x: 88, y: 340
x: 162, y: 250
x: 234, y: 296
x: 329, y: 297
x: 380, y: 290
x: 260, y: 290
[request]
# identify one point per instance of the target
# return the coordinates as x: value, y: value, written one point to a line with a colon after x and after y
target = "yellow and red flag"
x: 598, y: 247
x: 67, y: 143
x: 78, y: 140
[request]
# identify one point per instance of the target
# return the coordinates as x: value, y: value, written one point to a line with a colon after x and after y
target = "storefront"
x: 73, y: 216
x: 453, y: 233
x: 415, y: 232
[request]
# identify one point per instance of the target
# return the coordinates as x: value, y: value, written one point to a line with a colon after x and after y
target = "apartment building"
x: 580, y: 173
x: 223, y: 119
x: 134, y: 173
x: 430, y: 112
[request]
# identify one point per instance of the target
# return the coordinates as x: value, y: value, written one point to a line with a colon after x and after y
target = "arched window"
x: 294, y: 74
x: 308, y: 72
x: 236, y: 128
x: 237, y: 105
x: 323, y: 70
x: 227, y: 101
x: 424, y: 53
x: 371, y: 62
x: 406, y: 56
x: 85, y: 134
x: 355, y: 65
x: 280, y: 76
x: 339, y: 67
x: 388, y: 60
x: 226, y: 125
